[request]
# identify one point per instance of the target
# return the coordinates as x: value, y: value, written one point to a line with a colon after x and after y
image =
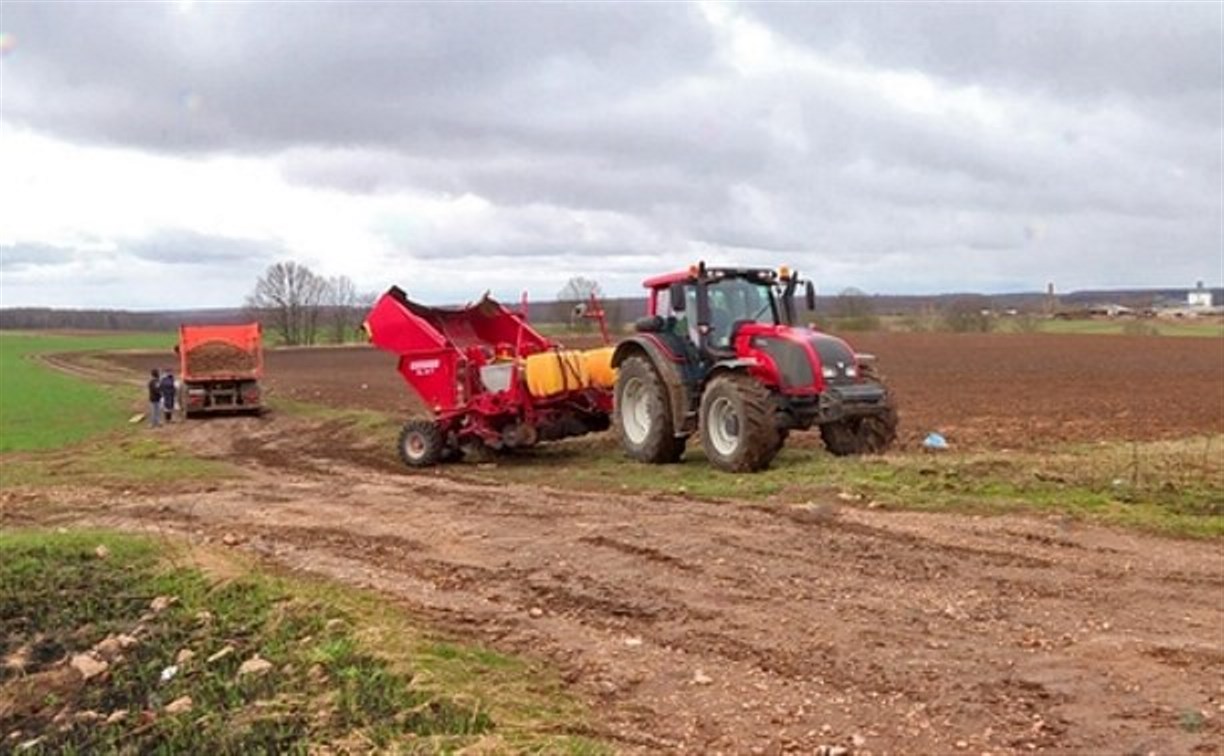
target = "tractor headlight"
x: 851, y: 372
x: 828, y: 372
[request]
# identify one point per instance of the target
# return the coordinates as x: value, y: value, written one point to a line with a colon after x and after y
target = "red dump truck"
x: 220, y: 366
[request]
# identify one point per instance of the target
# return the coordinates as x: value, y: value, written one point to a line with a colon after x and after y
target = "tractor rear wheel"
x: 642, y: 416
x: 739, y: 429
x: 870, y: 434
x: 421, y: 444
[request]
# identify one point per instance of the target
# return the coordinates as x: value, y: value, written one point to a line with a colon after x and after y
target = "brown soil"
x: 979, y: 390
x: 722, y: 626
x: 218, y: 357
x: 1026, y: 390
x: 719, y: 626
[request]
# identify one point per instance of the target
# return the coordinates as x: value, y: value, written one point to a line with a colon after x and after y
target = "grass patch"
x: 1144, y: 327
x: 326, y: 688
x: 1170, y: 487
x: 1174, y: 487
x: 132, y: 459
x: 44, y: 409
x: 57, y: 428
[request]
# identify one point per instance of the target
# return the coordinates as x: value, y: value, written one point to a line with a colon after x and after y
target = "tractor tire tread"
x: 762, y: 439
x: 661, y: 446
x: 872, y: 434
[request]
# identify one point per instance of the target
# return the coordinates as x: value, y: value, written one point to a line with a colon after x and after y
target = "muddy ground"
x: 979, y: 390
x: 708, y: 627
x: 731, y: 627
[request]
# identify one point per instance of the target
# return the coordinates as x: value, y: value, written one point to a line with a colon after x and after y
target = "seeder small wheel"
x: 421, y: 444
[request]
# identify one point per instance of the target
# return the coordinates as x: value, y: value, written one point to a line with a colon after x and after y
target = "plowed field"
x: 979, y: 390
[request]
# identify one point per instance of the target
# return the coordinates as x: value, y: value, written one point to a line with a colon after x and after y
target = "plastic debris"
x: 935, y: 441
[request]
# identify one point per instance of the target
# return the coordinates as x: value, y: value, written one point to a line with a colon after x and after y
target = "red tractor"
x: 487, y: 378
x: 720, y: 353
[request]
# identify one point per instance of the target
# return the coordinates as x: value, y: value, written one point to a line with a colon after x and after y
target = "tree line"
x: 301, y: 307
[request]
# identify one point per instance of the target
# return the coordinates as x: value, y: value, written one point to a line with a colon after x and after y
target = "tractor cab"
x: 710, y: 306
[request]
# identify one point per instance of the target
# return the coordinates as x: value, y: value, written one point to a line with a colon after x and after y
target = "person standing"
x: 155, y: 399
x: 168, y: 391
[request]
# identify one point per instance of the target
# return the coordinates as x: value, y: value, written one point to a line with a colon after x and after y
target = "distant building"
x: 1199, y: 298
x: 1110, y: 310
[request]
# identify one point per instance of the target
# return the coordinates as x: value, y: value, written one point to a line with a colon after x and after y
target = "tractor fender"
x: 667, y: 365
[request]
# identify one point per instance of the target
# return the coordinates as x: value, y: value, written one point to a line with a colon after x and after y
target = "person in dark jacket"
x: 155, y: 399
x: 167, y: 394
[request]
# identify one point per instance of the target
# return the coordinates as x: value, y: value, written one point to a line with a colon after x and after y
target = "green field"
x: 1153, y: 327
x: 43, y: 409
x: 1202, y: 328
x: 57, y: 428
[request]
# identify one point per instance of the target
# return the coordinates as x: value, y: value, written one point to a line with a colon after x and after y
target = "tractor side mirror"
x: 703, y: 308
x: 677, y: 297
x: 809, y: 296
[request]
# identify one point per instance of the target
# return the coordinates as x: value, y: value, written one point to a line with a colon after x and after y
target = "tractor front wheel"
x: 642, y: 416
x: 421, y: 444
x: 739, y: 427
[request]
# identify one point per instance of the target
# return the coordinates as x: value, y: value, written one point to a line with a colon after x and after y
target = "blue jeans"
x: 154, y: 414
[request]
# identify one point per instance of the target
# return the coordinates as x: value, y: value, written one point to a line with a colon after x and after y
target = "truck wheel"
x: 739, y: 427
x: 871, y: 434
x: 641, y: 414
x: 421, y: 444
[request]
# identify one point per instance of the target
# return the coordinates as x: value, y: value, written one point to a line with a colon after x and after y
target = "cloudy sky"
x: 162, y: 155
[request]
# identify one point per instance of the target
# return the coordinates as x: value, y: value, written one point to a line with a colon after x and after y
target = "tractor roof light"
x: 784, y: 272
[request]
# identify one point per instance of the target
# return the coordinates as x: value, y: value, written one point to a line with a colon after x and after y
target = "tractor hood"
x: 806, y: 359
x: 837, y: 364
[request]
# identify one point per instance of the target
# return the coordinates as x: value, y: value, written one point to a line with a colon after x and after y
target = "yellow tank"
x: 599, y: 367
x: 550, y: 373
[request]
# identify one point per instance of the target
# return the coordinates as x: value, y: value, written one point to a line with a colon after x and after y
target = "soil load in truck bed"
x: 219, y: 358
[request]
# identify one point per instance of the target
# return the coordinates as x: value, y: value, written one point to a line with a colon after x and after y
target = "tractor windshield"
x: 733, y: 300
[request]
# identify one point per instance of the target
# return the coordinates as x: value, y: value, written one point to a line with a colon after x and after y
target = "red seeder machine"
x: 488, y: 378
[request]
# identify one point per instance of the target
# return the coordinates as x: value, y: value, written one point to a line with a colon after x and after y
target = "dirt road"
x: 705, y: 627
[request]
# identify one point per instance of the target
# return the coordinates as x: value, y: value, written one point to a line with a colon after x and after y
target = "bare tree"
x: 579, y: 289
x: 968, y: 313
x: 577, y: 292
x: 291, y: 296
x: 853, y: 310
x: 342, y: 302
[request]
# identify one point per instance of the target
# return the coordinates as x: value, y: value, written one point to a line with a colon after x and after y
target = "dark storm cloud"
x: 185, y: 247
x: 913, y: 142
x: 263, y: 76
x: 1157, y: 50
